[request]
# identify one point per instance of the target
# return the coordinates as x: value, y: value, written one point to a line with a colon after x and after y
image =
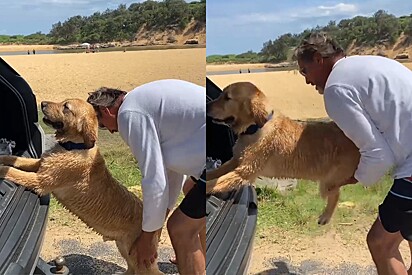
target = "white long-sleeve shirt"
x: 164, y: 124
x: 370, y: 99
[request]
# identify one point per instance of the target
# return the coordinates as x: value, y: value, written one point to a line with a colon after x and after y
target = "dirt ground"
x: 85, y: 251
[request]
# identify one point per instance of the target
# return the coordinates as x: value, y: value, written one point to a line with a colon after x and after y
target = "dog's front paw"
x: 210, y: 185
x: 227, y: 183
x: 324, y: 219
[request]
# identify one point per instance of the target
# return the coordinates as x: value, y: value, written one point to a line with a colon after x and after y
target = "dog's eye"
x: 226, y: 97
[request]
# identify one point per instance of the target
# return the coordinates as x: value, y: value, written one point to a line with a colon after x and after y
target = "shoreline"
x: 22, y: 48
x: 234, y: 67
x: 25, y: 48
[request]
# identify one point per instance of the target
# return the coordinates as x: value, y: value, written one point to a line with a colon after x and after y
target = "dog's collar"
x: 73, y: 146
x: 254, y: 127
x: 251, y: 129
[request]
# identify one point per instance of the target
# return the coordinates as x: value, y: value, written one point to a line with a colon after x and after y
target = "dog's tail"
x: 226, y: 183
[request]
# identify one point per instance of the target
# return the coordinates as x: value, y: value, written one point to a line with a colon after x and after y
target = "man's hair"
x: 317, y: 42
x: 104, y: 97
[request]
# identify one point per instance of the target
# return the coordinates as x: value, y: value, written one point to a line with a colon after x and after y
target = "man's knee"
x: 379, y: 244
x: 374, y: 241
x: 174, y: 227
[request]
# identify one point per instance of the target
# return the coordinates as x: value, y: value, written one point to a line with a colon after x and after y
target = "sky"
x: 237, y: 26
x: 31, y: 16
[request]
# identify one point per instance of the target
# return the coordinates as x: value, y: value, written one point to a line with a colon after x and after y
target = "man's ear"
x: 104, y: 110
x: 317, y: 57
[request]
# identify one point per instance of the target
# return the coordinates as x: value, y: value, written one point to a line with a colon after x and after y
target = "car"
x: 23, y: 214
x: 231, y: 218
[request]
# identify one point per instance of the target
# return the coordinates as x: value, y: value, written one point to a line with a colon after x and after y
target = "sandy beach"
x: 233, y: 67
x: 60, y: 76
x: 286, y: 91
x: 20, y: 48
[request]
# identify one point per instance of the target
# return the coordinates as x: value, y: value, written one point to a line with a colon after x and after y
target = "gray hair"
x: 104, y: 97
x: 317, y: 42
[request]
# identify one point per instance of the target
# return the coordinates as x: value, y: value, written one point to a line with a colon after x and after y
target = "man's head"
x: 106, y: 103
x: 316, y: 55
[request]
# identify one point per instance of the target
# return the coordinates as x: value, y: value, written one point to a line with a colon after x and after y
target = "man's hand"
x: 144, y: 249
x: 335, y: 188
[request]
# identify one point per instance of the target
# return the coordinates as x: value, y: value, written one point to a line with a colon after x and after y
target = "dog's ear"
x: 89, y: 131
x: 258, y: 108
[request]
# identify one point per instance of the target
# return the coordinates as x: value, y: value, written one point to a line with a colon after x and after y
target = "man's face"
x: 107, y: 119
x: 315, y: 72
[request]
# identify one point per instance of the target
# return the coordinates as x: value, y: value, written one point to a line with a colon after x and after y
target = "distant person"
x: 28, y: 52
x: 248, y: 70
x: 240, y: 71
x: 370, y: 99
x: 34, y: 51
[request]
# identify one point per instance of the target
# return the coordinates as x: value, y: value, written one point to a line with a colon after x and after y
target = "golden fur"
x: 282, y: 148
x: 80, y: 181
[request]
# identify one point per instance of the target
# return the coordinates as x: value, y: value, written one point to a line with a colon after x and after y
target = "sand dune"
x: 61, y: 76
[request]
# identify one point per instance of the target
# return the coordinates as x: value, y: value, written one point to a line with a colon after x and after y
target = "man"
x: 163, y: 122
x: 370, y: 99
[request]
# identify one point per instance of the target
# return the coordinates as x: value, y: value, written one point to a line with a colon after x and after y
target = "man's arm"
x: 140, y: 133
x: 343, y: 106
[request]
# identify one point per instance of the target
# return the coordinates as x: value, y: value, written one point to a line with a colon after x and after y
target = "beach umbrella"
x: 87, y: 45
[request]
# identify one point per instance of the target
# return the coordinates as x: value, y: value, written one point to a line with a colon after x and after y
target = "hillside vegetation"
x: 382, y: 33
x: 121, y: 24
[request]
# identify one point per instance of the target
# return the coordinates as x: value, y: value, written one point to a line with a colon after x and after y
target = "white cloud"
x: 258, y: 18
x: 64, y: 2
x: 340, y: 8
x: 325, y: 11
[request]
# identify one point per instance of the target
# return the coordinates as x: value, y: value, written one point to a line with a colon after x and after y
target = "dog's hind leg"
x: 25, y: 164
x: 332, y: 201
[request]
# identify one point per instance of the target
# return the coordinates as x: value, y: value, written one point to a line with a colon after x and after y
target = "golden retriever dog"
x: 274, y: 146
x: 75, y: 173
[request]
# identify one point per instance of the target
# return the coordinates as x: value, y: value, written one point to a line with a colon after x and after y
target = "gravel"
x: 282, y: 266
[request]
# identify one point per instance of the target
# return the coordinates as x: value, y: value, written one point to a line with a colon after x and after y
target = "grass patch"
x: 298, y: 210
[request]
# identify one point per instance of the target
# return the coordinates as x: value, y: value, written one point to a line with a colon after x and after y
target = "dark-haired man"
x: 370, y: 99
x: 164, y: 124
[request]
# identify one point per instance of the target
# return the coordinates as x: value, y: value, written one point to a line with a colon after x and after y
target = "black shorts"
x: 395, y: 212
x: 194, y: 203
